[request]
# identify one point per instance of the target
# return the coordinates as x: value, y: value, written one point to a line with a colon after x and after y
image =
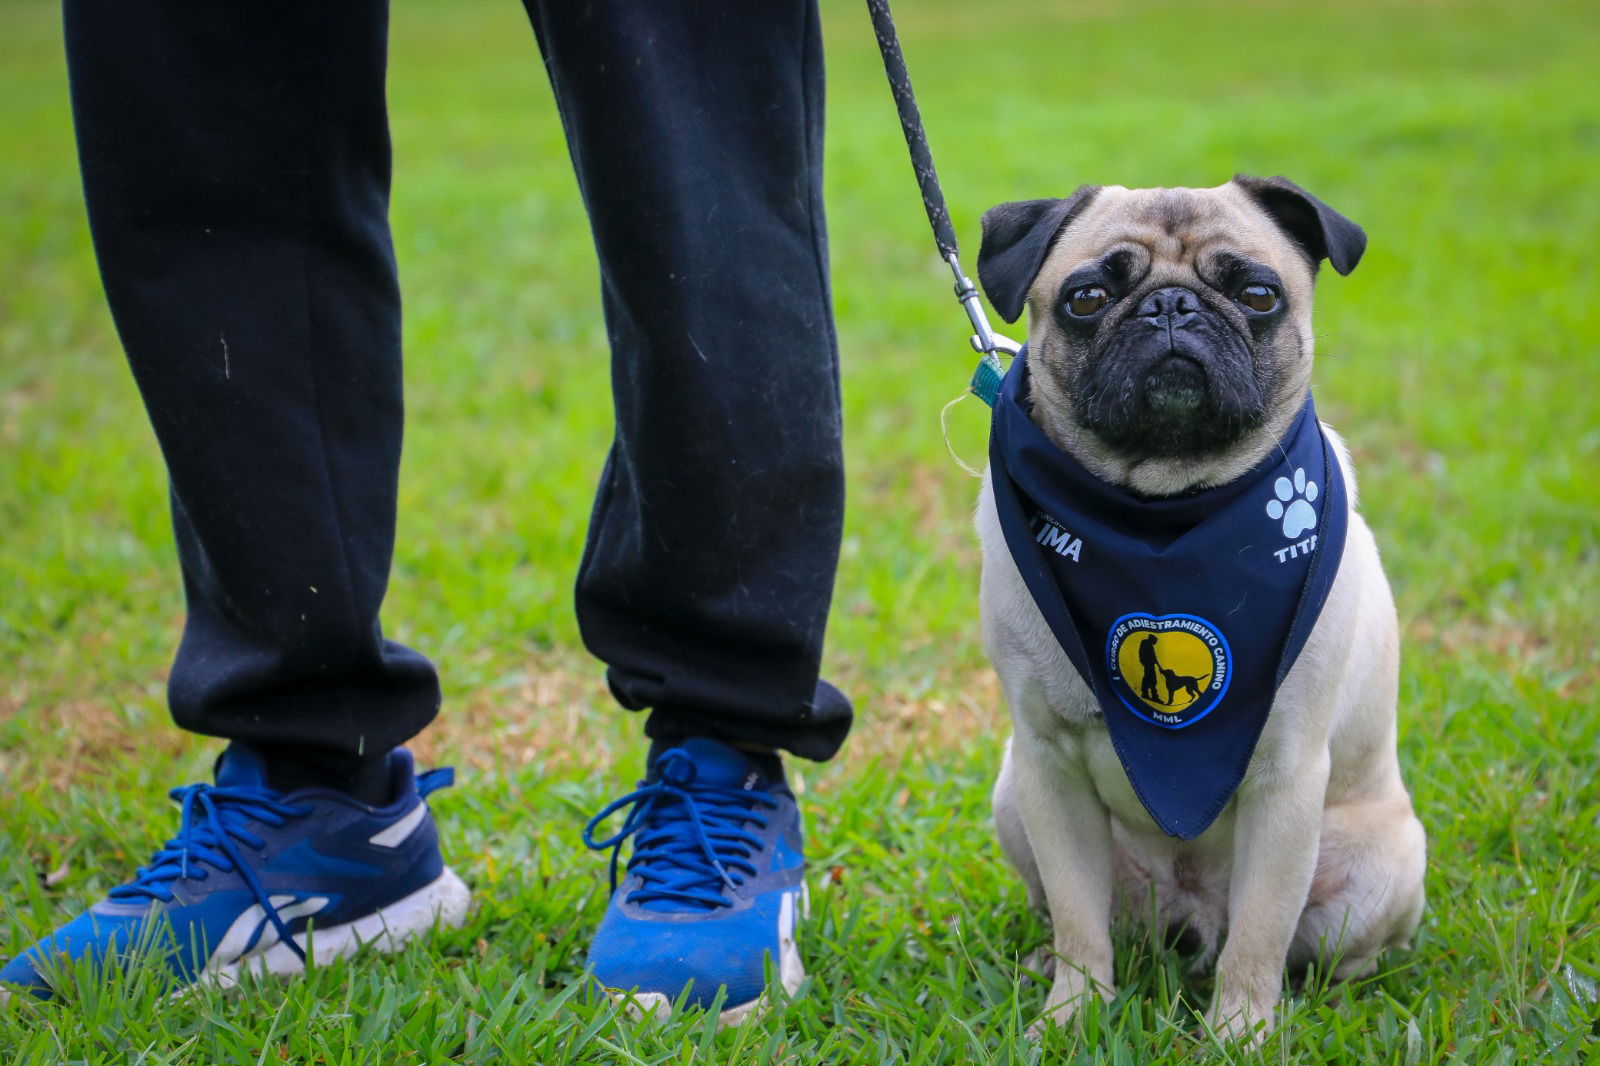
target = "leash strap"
x: 986, y: 378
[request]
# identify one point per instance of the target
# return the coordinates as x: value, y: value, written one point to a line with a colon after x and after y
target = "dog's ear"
x: 1016, y: 239
x: 1323, y: 232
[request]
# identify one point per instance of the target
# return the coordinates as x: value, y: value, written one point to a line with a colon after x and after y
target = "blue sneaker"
x: 714, y: 886
x: 257, y: 878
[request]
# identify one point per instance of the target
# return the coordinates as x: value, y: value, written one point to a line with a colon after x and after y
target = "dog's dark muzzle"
x: 1172, y: 377
x: 1169, y: 337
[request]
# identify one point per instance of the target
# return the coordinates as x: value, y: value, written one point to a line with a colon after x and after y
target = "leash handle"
x: 986, y: 379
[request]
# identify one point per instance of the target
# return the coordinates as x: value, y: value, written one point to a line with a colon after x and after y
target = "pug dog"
x: 1170, y: 348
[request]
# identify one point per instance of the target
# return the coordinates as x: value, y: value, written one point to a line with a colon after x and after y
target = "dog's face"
x: 1170, y: 330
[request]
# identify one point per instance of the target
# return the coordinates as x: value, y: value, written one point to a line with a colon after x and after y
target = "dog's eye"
x: 1088, y: 301
x: 1258, y: 298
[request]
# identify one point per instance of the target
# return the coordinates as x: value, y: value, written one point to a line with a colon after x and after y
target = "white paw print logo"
x: 1293, y: 504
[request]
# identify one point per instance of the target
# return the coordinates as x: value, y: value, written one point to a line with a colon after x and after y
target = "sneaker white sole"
x: 441, y: 903
x: 790, y: 973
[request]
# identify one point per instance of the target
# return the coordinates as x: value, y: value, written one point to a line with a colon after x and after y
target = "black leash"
x: 986, y: 379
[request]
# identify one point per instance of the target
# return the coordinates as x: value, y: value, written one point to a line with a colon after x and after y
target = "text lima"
x: 1057, y: 539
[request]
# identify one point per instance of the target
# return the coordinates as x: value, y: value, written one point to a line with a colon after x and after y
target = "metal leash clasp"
x: 985, y: 384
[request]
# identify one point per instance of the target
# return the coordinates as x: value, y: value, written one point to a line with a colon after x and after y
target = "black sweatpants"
x: 236, y: 165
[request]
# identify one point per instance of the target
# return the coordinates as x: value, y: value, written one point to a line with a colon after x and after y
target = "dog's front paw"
x: 1240, y: 1020
x: 1042, y: 1025
x: 1067, y: 1017
x: 1069, y: 997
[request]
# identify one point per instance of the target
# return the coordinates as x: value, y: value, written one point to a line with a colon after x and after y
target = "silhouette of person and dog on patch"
x: 1149, y: 685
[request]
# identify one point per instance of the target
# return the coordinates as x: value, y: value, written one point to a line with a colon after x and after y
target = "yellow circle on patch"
x: 1169, y: 670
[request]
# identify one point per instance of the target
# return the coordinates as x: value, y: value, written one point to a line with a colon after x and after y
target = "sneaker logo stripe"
x: 251, y: 932
x: 393, y: 836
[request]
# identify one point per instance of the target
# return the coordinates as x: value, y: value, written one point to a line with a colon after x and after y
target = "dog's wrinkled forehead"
x: 1172, y: 235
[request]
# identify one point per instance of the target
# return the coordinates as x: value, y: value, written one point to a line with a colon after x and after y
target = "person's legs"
x: 696, y: 133
x: 236, y: 167
x: 235, y: 161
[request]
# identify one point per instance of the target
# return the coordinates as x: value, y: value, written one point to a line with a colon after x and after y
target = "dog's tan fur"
x: 1318, y: 855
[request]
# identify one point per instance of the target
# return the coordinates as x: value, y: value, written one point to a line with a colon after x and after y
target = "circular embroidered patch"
x: 1171, y: 669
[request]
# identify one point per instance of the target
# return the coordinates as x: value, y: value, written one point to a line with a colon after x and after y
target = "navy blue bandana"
x: 1182, y: 614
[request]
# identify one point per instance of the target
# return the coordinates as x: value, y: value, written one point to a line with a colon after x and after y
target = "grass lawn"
x: 1459, y: 361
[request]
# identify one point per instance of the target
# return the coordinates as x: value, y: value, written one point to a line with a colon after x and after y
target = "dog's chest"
x: 1114, y: 789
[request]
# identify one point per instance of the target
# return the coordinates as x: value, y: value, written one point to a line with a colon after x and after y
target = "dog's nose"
x: 1174, y: 303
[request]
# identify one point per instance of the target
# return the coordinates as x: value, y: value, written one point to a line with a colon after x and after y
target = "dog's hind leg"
x: 1367, y: 894
x: 1013, y: 838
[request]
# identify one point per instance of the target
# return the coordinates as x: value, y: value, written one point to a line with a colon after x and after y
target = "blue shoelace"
x: 212, y: 820
x: 690, y: 838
